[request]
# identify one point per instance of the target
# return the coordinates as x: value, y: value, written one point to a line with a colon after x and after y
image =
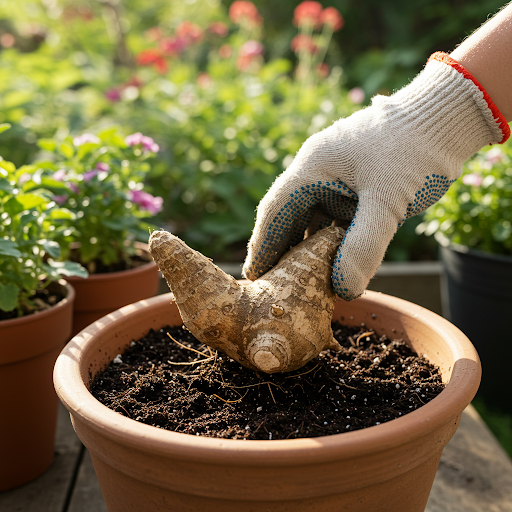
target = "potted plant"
x: 473, y: 225
x: 99, y: 182
x: 387, y: 467
x: 35, y: 323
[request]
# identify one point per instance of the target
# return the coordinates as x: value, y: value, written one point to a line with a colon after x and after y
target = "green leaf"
x: 67, y: 150
x: 56, y: 269
x: 8, y: 166
x: 9, y: 248
x: 52, y: 248
x: 23, y: 202
x: 47, y: 144
x: 4, y: 127
x: 8, y: 296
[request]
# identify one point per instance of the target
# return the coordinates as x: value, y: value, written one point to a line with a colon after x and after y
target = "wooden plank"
x: 87, y: 495
x: 475, y: 473
x: 48, y: 492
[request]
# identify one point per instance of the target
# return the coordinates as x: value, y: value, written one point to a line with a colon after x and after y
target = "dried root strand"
x: 275, y: 324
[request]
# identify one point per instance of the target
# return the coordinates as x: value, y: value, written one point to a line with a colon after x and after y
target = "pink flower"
x: 190, y: 32
x: 332, y: 17
x: 154, y: 33
x: 59, y: 175
x: 242, y: 11
x: 134, y: 139
x: 85, y: 138
x: 113, y: 95
x: 24, y: 178
x: 225, y: 51
x: 302, y: 42
x: 494, y: 155
x: 147, y: 143
x: 173, y: 46
x: 472, y: 179
x: 204, y: 80
x: 146, y: 201
x: 218, y: 28
x: 60, y: 199
x: 356, y: 95
x: 251, y: 49
x: 308, y: 13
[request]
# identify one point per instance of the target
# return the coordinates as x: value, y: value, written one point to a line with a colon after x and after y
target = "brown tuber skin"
x: 275, y: 324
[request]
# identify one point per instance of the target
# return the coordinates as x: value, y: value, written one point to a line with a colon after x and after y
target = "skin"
x: 487, y: 55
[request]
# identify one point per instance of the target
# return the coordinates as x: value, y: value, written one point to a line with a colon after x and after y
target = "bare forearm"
x: 487, y: 55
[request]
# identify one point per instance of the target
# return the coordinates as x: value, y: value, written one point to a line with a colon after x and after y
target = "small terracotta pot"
x: 100, y: 294
x: 389, y: 467
x: 29, y: 347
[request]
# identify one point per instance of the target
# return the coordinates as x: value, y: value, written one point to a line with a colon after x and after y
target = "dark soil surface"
x: 126, y: 263
x: 370, y: 381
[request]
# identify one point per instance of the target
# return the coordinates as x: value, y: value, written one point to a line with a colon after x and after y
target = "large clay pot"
x: 478, y: 300
x: 385, y: 468
x: 29, y: 346
x: 100, y: 294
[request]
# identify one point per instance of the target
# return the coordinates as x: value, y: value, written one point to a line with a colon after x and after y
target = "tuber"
x: 274, y: 324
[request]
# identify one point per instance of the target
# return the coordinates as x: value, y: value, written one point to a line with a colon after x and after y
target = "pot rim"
x: 70, y: 296
x: 438, y: 412
x: 477, y: 253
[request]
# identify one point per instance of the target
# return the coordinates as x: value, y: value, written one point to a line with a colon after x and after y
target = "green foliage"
x: 477, y: 209
x: 98, y: 181
x: 28, y: 249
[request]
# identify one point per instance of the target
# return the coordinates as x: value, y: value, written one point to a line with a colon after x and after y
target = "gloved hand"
x: 376, y: 168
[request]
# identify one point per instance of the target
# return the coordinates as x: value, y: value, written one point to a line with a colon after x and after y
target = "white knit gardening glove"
x: 376, y: 168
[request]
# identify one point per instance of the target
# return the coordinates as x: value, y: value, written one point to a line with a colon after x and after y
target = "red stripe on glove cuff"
x: 446, y: 59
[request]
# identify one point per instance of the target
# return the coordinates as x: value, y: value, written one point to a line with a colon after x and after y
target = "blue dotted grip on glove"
x: 287, y: 228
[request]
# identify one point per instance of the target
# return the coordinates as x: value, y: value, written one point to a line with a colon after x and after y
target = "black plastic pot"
x: 478, y: 300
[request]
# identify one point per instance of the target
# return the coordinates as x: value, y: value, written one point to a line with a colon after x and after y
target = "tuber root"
x: 274, y: 324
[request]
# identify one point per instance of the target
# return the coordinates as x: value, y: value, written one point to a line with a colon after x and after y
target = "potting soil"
x: 199, y: 391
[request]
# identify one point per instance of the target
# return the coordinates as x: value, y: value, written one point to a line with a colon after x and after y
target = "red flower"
x: 307, y: 13
x: 302, y: 42
x: 331, y: 16
x: 153, y: 57
x: 173, y: 45
x: 189, y: 32
x: 218, y: 28
x: 242, y: 11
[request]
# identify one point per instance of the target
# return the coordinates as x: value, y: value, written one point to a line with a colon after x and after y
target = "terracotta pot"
x: 100, y: 294
x: 389, y: 467
x: 29, y: 347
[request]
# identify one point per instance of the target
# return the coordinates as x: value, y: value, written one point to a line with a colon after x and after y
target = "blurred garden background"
x: 227, y: 91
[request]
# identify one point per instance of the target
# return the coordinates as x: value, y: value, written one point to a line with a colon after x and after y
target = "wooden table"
x: 475, y: 475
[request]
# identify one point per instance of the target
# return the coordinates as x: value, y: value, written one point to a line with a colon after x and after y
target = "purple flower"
x: 102, y: 166
x: 74, y: 188
x: 60, y: 199
x: 89, y: 175
x: 113, y: 95
x: 472, y: 179
x: 84, y: 138
x: 146, y: 201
